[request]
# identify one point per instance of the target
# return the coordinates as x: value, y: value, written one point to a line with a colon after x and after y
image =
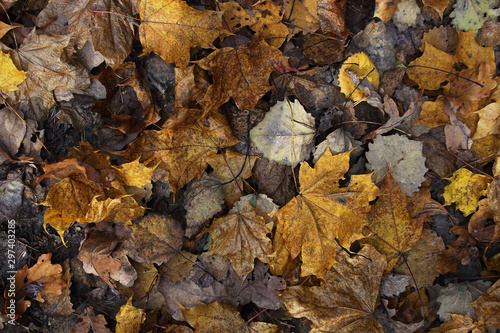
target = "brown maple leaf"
x: 241, y: 73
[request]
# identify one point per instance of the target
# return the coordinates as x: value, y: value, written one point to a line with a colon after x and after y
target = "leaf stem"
x: 114, y: 13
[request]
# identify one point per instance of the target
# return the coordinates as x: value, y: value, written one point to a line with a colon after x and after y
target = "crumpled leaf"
x: 392, y: 231
x: 324, y: 212
x: 488, y: 307
x: 171, y: 27
x: 471, y: 15
x: 40, y: 57
x: 130, y: 318
x: 57, y: 304
x: 241, y: 236
x: 395, y: 119
x: 10, y: 76
x: 286, y: 133
x: 109, y: 34
x: 30, y: 282
x: 241, y: 73
x: 346, y: 300
x: 402, y: 157
x: 331, y: 18
x: 96, y: 253
x: 465, y: 190
x: 362, y: 66
x: 385, y: 9
x: 182, y: 150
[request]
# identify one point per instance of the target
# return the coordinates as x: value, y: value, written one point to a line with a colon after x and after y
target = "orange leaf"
x: 29, y: 282
x: 323, y: 212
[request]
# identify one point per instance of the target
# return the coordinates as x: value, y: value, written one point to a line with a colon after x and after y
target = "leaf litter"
x: 249, y: 166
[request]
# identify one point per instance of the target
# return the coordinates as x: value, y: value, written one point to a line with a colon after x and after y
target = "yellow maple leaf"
x: 10, y: 76
x: 465, y: 190
x: 362, y: 66
x: 323, y: 212
x: 129, y: 318
x: 171, y: 27
x: 392, y: 231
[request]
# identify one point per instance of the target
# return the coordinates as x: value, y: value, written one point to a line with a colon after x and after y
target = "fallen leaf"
x: 439, y: 5
x: 40, y: 56
x: 426, y: 260
x: 275, y: 180
x: 96, y: 255
x: 286, y: 133
x: 456, y: 298
x: 171, y: 27
x: 394, y: 284
x: 324, y: 212
x: 392, y: 232
x: 489, y: 120
x: 395, y: 120
x: 231, y: 169
x: 156, y: 239
x: 240, y: 73
x: 147, y: 276
x: 130, y: 318
x: 465, y: 190
x: 15, y: 129
x: 302, y: 15
x: 91, y: 320
x: 402, y: 157
x: 488, y: 307
x: 109, y: 33
x: 203, y: 199
x: 457, y: 324
x: 59, y: 304
x: 182, y: 150
x: 407, y: 15
x: 212, y: 279
x: 363, y: 67
x: 10, y: 76
x: 215, y: 317
x: 339, y: 141
x: 469, y: 15
x: 331, y: 18
x: 241, y: 236
x: 346, y: 300
x: 30, y: 282
x: 385, y: 9
x: 435, y: 66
